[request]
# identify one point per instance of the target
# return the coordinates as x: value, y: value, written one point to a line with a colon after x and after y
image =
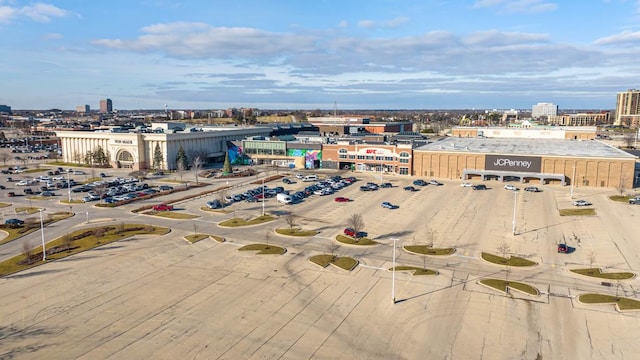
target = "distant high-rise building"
x: 106, y: 106
x: 628, y: 107
x: 83, y: 109
x: 5, y: 109
x: 544, y: 109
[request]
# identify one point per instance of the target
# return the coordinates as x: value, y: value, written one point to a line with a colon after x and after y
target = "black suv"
x: 479, y: 187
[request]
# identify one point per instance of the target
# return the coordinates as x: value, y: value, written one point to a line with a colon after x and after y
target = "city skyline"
x: 382, y: 54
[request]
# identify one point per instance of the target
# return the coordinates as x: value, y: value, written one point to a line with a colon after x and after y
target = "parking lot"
x: 164, y: 298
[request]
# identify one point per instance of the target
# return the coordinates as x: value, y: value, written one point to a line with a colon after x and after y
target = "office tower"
x: 106, y: 106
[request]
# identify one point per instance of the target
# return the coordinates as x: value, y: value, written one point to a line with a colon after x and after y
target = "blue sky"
x: 310, y: 54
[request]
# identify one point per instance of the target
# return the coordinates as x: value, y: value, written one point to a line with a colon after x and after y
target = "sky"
x: 318, y: 54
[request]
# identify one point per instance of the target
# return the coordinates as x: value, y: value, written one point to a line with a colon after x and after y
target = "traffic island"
x: 415, y: 270
x: 194, y: 238
x: 508, y: 261
x: 428, y: 250
x: 364, y: 241
x: 597, y: 273
x: 76, y: 242
x: 264, y: 249
x: 215, y: 211
x: 18, y: 231
x: 504, y: 286
x: 238, y: 222
x: 171, y: 215
x: 297, y: 232
x: 342, y: 262
x: 621, y: 303
x: 577, y: 212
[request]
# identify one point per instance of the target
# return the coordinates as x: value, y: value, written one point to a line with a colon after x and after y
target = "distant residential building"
x: 544, y: 109
x: 627, y: 103
x: 5, y: 109
x: 106, y: 106
x: 83, y: 109
x: 580, y: 119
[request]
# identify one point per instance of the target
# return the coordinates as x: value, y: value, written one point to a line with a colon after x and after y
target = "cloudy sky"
x: 312, y: 54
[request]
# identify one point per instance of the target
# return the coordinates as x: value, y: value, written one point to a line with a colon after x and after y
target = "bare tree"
x: 67, y: 241
x: 197, y: 166
x: 4, y: 157
x: 356, y: 222
x: 291, y: 218
x: 591, y: 255
x: 504, y: 249
x: 629, y: 139
x: 27, y: 251
x: 432, y: 237
x: 221, y: 195
x: 180, y: 169
x: 621, y: 185
x: 267, y: 237
x: 100, y: 190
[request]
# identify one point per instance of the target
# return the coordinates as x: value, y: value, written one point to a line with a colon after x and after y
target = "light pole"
x: 69, y: 185
x: 393, y: 271
x: 515, y: 201
x: 44, y: 250
x: 573, y: 179
x: 263, y: 196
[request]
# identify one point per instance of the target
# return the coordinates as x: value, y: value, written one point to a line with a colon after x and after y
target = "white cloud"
x: 52, y: 36
x: 395, y: 22
x: 625, y: 37
x: 517, y: 6
x: 39, y: 12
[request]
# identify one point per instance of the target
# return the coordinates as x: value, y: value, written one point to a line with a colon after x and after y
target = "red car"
x: 162, y: 207
x: 342, y: 199
x: 563, y: 248
x: 352, y: 233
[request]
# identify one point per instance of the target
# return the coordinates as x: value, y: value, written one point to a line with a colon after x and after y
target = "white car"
x: 581, y: 203
x: 23, y: 183
x: 511, y: 187
x: 466, y: 185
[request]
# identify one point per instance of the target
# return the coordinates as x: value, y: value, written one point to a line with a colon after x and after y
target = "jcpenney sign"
x: 512, y: 163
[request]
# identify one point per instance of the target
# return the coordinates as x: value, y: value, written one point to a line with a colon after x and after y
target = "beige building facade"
x: 536, y: 161
x: 136, y: 150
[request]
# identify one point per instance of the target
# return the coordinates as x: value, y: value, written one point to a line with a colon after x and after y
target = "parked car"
x: 214, y: 204
x: 47, y: 193
x: 352, y: 233
x: 581, y: 203
x: 386, y: 185
x: 11, y: 194
x: 342, y: 199
x: 635, y: 200
x: 420, y: 182
x: 532, y: 189
x: 365, y: 188
x: 388, y: 205
x: 466, y: 184
x: 162, y: 207
x: 409, y: 188
x: 2, y: 187
x: 511, y: 187
x: 563, y: 248
x: 14, y: 222
x: 434, y: 182
x: 165, y: 188
x: 480, y: 187
x: 287, y: 181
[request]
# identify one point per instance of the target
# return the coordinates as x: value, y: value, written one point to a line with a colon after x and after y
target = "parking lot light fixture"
x: 263, y: 196
x: 393, y: 276
x: 515, y: 201
x: 44, y: 250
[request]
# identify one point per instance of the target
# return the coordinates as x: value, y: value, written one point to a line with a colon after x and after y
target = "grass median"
x: 264, y: 249
x: 621, y: 302
x: 16, y: 232
x: 364, y: 241
x: 577, y: 212
x: 508, y: 261
x: 238, y: 222
x: 427, y: 250
x: 597, y: 273
x: 172, y: 215
x: 415, y: 270
x: 502, y: 285
x: 296, y: 232
x: 76, y: 242
x: 343, y: 262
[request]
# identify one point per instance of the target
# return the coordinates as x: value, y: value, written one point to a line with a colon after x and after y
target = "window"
x: 388, y: 158
x: 404, y: 157
x: 360, y: 157
x: 369, y: 157
x: 352, y: 157
x: 404, y: 171
x: 379, y: 158
x: 125, y: 156
x: 342, y: 151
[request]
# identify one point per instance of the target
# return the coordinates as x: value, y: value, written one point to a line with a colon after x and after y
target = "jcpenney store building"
x: 536, y: 161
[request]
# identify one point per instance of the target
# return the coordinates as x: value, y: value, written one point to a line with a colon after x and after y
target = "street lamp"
x: 44, y: 250
x: 263, y: 196
x: 515, y: 201
x: 393, y: 270
x: 69, y: 185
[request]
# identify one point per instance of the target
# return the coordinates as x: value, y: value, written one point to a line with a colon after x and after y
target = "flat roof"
x: 532, y: 147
